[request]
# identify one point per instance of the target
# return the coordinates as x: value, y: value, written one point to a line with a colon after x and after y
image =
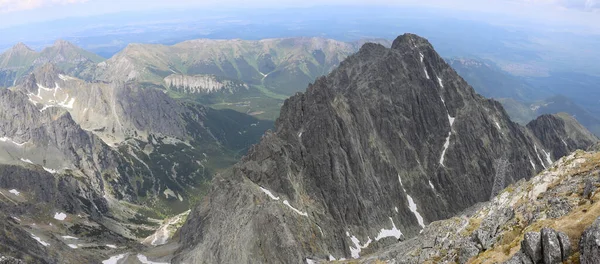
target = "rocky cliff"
x: 387, y: 143
x: 107, y: 160
x: 202, y: 84
x: 548, y: 219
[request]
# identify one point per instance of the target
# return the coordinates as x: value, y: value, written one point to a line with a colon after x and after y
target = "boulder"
x: 565, y: 245
x: 519, y: 258
x: 550, y: 246
x: 467, y: 252
x: 532, y: 246
x: 589, y: 244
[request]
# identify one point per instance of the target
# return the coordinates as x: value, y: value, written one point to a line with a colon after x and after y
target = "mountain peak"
x: 410, y: 40
x: 21, y: 47
x: 62, y: 43
x: 399, y: 116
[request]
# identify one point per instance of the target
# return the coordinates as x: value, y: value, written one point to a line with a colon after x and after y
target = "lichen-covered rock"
x: 519, y: 258
x: 589, y: 244
x: 588, y: 189
x: 487, y: 233
x: 532, y: 246
x: 565, y: 245
x: 10, y: 260
x: 467, y: 252
x: 550, y: 246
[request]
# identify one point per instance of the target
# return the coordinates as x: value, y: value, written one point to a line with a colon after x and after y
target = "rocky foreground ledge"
x: 552, y: 218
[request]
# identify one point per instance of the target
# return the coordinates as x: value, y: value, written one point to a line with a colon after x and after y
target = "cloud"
x: 584, y: 5
x: 19, y: 5
x: 580, y: 5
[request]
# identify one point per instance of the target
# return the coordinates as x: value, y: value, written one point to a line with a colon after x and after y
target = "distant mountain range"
x: 526, y: 98
x: 20, y: 60
x: 249, y: 76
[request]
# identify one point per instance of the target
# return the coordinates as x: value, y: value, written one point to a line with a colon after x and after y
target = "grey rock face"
x: 532, y: 246
x: 588, y: 189
x: 519, y: 258
x: 467, y: 252
x: 561, y: 134
x: 551, y: 246
x: 356, y: 158
x: 589, y: 244
x: 487, y: 233
x: 10, y: 260
x: 565, y: 245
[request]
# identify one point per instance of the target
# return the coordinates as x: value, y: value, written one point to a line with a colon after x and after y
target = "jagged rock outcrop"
x: 547, y: 246
x: 589, y: 246
x: 202, y: 84
x: 532, y: 246
x: 390, y: 141
x: 518, y: 239
x: 560, y: 133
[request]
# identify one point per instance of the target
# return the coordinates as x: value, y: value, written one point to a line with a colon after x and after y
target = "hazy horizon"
x: 582, y: 16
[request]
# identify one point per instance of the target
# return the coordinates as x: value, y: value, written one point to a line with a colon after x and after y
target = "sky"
x: 582, y: 13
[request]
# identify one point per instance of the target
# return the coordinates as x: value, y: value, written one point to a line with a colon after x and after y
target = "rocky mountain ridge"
x: 558, y: 204
x: 354, y: 159
x: 107, y: 160
x: 20, y: 60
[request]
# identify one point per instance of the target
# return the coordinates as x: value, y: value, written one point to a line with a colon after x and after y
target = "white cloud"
x: 19, y: 5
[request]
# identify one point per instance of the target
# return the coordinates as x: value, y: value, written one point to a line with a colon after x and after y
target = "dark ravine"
x: 390, y: 141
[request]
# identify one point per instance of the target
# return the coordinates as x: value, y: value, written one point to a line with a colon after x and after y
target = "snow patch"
x: 5, y: 139
x: 114, y: 259
x: 168, y: 192
x: 60, y: 216
x: 49, y: 170
x: 413, y: 208
x: 15, y: 192
x: 270, y: 194
x: 145, y: 260
x: 72, y: 246
x: 355, y: 251
x: 424, y: 68
x: 70, y: 237
x: 538, y: 156
x: 411, y: 205
x: 440, y: 82
x: 565, y: 143
x: 111, y: 246
x: 451, y: 120
x: 39, y: 240
x: 548, y: 159
x: 394, y: 232
x: 26, y: 161
x: 396, y: 209
x: 331, y: 258
x: 310, y: 261
x: 431, y: 185
x: 295, y: 210
x: 532, y: 164
x: 65, y: 77
x: 497, y: 125
x: 446, y: 145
